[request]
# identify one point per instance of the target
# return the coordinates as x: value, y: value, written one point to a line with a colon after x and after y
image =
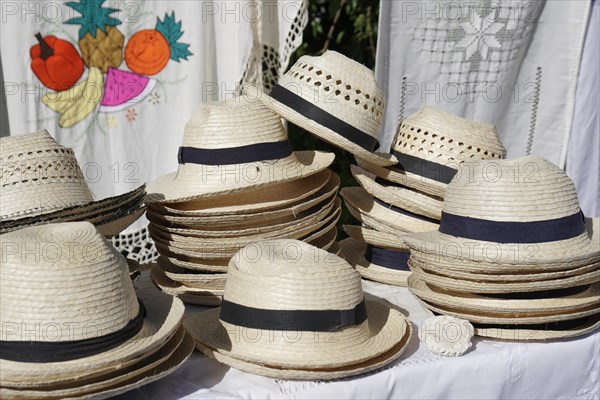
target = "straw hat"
x: 232, y: 146
x: 336, y: 99
x: 73, y: 277
x: 287, y: 289
x: 397, y: 195
x: 374, y: 237
x: 376, y: 263
x: 196, y: 296
x: 531, y: 218
x: 42, y: 182
x: 391, y: 219
x: 431, y: 144
x: 530, y: 333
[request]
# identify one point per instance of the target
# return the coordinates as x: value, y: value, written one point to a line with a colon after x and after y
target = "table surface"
x: 567, y: 369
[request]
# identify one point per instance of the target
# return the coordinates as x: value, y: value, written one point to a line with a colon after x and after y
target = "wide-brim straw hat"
x: 544, y: 304
x: 42, y: 183
x: 278, y: 196
x: 334, y: 98
x: 87, y: 282
x: 192, y: 279
x: 234, y: 146
x: 356, y: 253
x: 285, y: 277
x: 431, y: 144
x: 386, y: 217
x: 258, y: 219
x: 163, y: 362
x: 397, y: 195
x: 375, y: 237
x: 191, y: 295
x: 489, y: 214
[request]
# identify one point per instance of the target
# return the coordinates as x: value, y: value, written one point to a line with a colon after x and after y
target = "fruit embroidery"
x: 59, y: 66
x: 148, y: 51
x: 101, y: 43
x: 55, y: 62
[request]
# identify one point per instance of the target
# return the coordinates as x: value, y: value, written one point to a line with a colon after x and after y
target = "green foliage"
x: 93, y: 16
x: 171, y: 30
x: 354, y: 35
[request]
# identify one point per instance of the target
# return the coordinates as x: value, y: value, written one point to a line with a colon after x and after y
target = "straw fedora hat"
x: 377, y: 263
x: 392, y: 219
x: 529, y: 218
x: 336, y: 99
x: 240, y: 203
x: 398, y: 195
x: 232, y: 146
x: 95, y: 321
x: 431, y: 144
x: 285, y: 289
x: 578, y: 298
x: 42, y: 182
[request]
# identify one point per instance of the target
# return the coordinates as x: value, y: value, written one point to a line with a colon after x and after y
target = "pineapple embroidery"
x: 100, y: 42
x: 101, y: 45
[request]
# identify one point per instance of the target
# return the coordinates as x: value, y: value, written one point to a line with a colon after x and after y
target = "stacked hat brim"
x: 293, y: 277
x: 197, y: 235
x: 157, y: 347
x: 42, y: 183
x: 517, y: 279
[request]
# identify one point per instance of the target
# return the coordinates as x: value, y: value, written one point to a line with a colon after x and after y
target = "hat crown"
x: 62, y: 282
x: 236, y: 122
x: 340, y: 86
x: 291, y: 275
x: 441, y: 137
x: 523, y: 189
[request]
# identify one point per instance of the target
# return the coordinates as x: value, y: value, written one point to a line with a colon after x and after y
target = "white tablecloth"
x: 568, y: 369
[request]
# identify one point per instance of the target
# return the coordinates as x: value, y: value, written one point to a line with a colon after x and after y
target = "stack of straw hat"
x: 514, y: 254
x: 42, y: 183
x: 293, y: 311
x: 408, y: 197
x: 71, y: 323
x: 238, y: 181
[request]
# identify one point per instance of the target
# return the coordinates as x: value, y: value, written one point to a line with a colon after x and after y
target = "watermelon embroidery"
x: 124, y: 89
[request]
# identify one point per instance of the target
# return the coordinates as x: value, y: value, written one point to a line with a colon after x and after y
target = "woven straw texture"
x: 375, y: 238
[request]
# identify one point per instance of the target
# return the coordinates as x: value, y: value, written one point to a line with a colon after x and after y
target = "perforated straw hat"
x: 42, y: 182
x: 66, y: 281
x: 336, y: 99
x: 281, y: 290
x: 233, y: 146
x: 514, y: 212
x: 431, y: 144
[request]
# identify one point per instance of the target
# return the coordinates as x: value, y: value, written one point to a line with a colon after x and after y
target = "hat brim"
x: 575, y: 252
x: 194, y: 181
x: 478, y: 304
x: 252, y: 201
x: 393, y: 222
x: 354, y: 252
x: 375, y: 238
x: 397, y: 175
x: 196, y: 296
x: 163, y: 315
x: 406, y: 199
x: 322, y: 132
x: 388, y: 332
x: 192, y: 279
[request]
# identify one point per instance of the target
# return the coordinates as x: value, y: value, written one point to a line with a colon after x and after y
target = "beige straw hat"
x: 397, y: 195
x: 525, y: 209
x: 233, y: 146
x: 42, y: 182
x: 388, y: 218
x: 368, y: 261
x: 77, y: 286
x: 336, y: 99
x: 285, y: 289
x: 580, y: 298
x: 532, y: 333
x: 253, y: 201
x: 196, y: 296
x: 374, y: 237
x: 192, y: 279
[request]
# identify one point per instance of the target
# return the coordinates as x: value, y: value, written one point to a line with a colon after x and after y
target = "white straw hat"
x: 232, y: 146
x: 391, y: 219
x: 285, y: 289
x: 76, y: 286
x: 336, y: 99
x: 532, y: 217
x: 42, y: 182
x: 375, y: 238
x: 431, y: 144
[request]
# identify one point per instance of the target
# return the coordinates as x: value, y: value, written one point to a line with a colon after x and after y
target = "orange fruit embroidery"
x: 147, y: 52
